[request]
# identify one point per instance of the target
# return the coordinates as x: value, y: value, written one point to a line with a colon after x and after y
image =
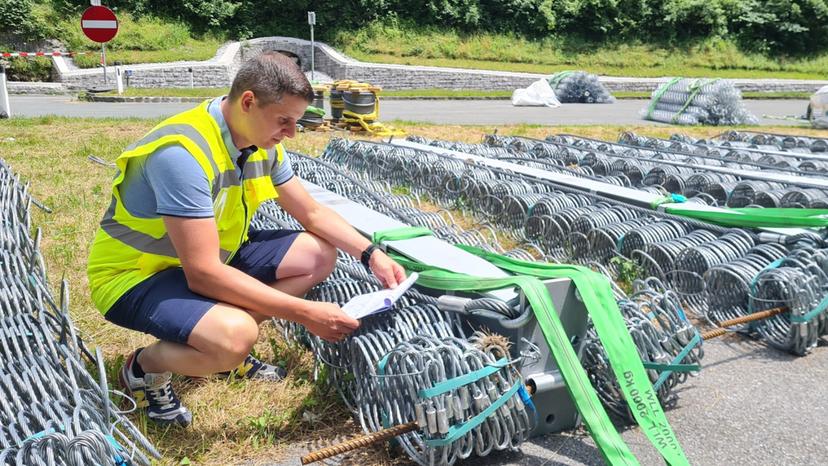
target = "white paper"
x: 378, y: 301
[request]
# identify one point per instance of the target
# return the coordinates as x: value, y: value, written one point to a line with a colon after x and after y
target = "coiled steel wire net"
x: 52, y: 410
x: 661, y: 337
x: 691, y: 259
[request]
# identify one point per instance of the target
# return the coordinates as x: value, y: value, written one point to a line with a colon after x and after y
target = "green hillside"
x: 727, y: 38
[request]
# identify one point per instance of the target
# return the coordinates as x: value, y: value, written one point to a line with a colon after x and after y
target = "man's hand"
x: 389, y: 273
x: 329, y: 322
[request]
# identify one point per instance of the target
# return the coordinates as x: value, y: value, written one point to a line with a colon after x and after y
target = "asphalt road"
x: 466, y: 112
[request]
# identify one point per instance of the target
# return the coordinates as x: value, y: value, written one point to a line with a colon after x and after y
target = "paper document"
x: 378, y: 301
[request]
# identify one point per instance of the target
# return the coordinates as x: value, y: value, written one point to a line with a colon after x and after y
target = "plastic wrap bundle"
x: 684, y: 101
x: 579, y: 87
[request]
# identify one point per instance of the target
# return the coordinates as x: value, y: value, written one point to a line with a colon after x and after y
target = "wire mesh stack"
x: 657, y: 340
x: 52, y: 411
x: 657, y: 165
x: 585, y: 231
x: 796, y: 160
x: 579, y: 87
x: 685, y: 101
x: 782, y: 141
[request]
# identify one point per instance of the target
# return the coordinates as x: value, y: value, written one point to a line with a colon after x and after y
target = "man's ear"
x: 247, y: 100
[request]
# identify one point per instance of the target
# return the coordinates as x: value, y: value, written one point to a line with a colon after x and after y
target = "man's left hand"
x: 389, y: 273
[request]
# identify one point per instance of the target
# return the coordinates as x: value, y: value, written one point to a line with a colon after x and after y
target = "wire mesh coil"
x: 52, y: 410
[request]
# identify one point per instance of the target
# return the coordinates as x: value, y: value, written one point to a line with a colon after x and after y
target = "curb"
x: 147, y: 99
x: 150, y: 99
x: 158, y: 99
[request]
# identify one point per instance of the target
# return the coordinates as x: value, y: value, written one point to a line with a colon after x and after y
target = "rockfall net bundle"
x: 686, y: 101
x: 579, y: 87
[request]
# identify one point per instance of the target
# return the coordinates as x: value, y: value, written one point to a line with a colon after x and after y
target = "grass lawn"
x: 385, y: 43
x: 595, y: 67
x: 193, y: 50
x: 235, y: 421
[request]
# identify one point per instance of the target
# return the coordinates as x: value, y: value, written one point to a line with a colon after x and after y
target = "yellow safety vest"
x: 127, y: 249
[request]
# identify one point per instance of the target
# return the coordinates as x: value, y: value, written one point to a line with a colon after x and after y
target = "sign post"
x: 100, y: 25
x: 312, y: 22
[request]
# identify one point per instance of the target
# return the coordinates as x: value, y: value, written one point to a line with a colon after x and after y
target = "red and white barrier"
x: 41, y: 54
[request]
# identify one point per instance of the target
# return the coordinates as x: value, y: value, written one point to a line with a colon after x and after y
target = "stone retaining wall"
x: 219, y: 71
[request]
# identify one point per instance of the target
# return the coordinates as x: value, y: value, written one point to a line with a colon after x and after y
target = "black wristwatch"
x: 365, y: 257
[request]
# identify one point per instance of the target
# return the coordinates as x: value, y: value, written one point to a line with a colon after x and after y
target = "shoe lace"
x: 162, y: 395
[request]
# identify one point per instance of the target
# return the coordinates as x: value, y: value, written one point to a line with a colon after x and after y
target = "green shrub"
x: 602, y: 19
x: 691, y: 19
x: 29, y: 69
x: 784, y: 27
x: 16, y: 18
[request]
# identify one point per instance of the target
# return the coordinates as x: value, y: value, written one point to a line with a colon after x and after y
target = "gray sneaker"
x: 252, y: 368
x: 155, y: 393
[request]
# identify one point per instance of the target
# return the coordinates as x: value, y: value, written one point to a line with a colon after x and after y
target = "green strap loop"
x: 397, y: 234
x: 751, y: 217
x: 660, y: 92
x: 610, y: 325
x: 459, y: 430
x: 597, y: 295
x: 556, y: 78
x: 609, y: 443
x: 315, y: 110
x: 694, y: 89
x: 465, y: 379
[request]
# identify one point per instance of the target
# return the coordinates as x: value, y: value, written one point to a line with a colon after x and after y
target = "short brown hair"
x: 271, y: 75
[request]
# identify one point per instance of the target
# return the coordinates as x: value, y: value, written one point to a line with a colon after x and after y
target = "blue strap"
x: 527, y: 399
x: 684, y: 352
x: 815, y: 312
x: 465, y: 379
x: 119, y: 460
x: 38, y: 435
x: 458, y: 430
x: 619, y: 242
x: 386, y: 423
x: 657, y: 366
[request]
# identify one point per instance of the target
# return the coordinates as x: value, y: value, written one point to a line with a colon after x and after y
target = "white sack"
x: 539, y: 93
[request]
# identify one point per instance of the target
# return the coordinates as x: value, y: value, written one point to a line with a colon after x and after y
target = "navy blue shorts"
x: 163, y: 304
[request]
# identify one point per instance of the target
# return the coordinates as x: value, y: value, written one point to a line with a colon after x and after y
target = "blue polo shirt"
x: 171, y: 182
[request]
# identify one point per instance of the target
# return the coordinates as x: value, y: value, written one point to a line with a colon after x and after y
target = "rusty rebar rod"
x: 358, y: 442
x: 742, y: 320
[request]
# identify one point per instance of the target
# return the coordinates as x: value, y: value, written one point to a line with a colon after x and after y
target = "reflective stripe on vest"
x: 128, y: 249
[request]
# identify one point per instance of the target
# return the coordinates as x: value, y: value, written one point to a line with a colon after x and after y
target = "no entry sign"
x: 99, y: 24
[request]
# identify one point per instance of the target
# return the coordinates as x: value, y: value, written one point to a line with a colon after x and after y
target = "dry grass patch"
x: 235, y: 421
